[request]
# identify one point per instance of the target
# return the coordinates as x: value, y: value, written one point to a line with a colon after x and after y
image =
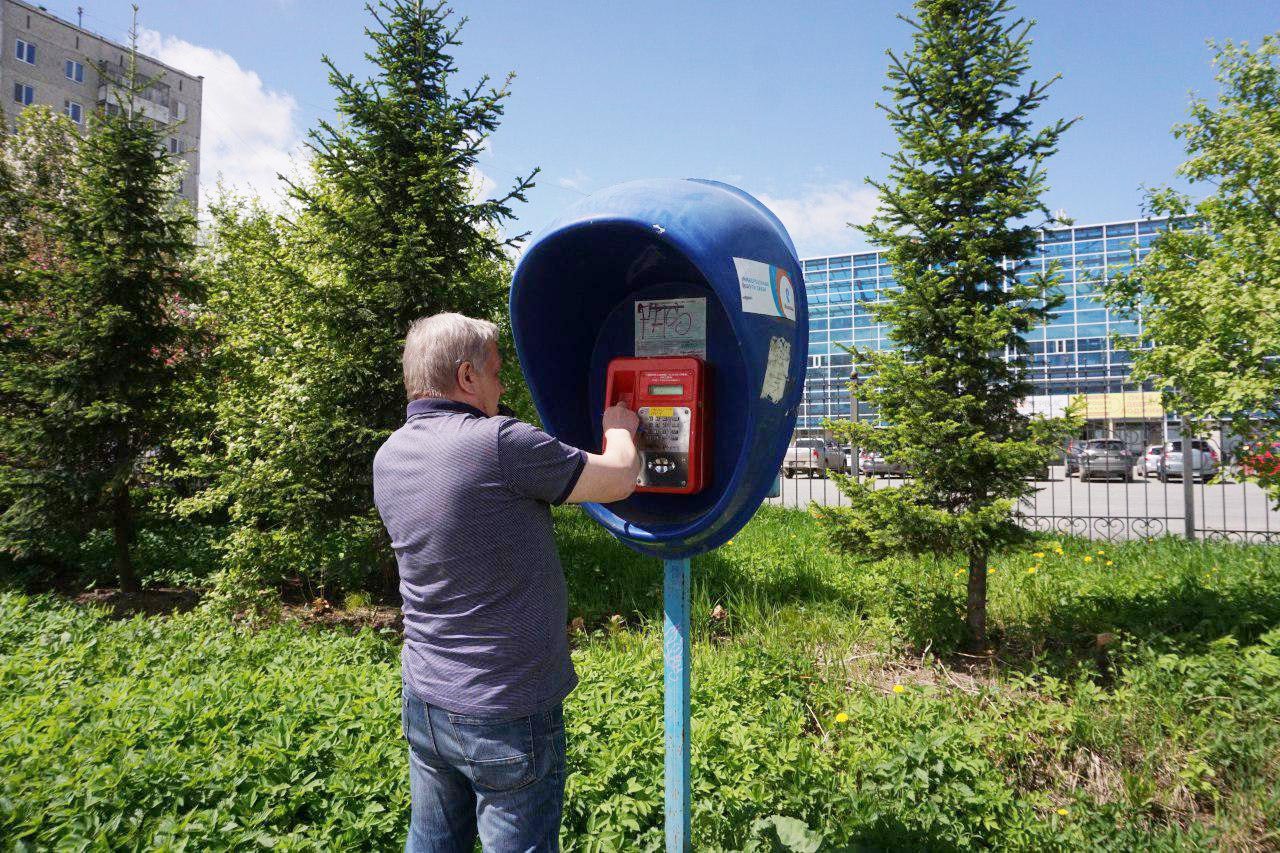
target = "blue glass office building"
x: 1072, y: 354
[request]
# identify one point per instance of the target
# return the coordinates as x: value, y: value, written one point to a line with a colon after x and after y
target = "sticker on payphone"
x: 664, y: 446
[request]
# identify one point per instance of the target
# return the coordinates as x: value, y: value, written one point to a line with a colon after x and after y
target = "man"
x: 465, y: 495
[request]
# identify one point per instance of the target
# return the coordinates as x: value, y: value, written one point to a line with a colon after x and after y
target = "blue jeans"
x: 500, y: 777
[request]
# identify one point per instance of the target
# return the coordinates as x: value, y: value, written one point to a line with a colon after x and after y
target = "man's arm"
x: 611, y: 475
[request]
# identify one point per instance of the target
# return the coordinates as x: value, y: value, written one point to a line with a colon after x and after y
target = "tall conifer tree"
x: 960, y: 200
x: 312, y: 309
x: 92, y: 333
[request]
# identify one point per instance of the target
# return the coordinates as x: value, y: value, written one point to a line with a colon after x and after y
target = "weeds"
x: 1130, y: 701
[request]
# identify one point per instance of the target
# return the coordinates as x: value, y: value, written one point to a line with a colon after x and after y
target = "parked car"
x: 1106, y: 457
x: 1150, y: 464
x: 1204, y: 460
x: 873, y: 464
x: 1071, y: 456
x: 813, y: 456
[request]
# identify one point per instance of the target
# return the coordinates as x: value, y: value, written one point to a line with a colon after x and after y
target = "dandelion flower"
x: 1110, y: 563
x: 1088, y: 559
x: 1063, y: 812
x: 1039, y: 555
x: 730, y: 542
x: 898, y: 688
x: 1058, y: 551
x: 991, y: 571
x: 1032, y: 570
x: 1100, y: 553
x: 842, y: 718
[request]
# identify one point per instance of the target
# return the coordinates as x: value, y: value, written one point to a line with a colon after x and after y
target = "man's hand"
x: 611, y: 475
x: 618, y: 416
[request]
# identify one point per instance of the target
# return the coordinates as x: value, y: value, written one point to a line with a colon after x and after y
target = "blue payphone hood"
x: 572, y: 300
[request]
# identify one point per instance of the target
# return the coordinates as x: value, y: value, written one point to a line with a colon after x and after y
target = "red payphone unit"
x: 669, y: 394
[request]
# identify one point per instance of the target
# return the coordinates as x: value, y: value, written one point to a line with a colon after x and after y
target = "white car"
x: 1204, y: 461
x: 1150, y: 463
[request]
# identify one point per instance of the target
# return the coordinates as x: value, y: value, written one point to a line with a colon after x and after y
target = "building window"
x: 74, y: 111
x: 175, y: 145
x: 23, y: 94
x: 182, y: 185
x: 74, y: 71
x: 26, y: 52
x: 182, y: 110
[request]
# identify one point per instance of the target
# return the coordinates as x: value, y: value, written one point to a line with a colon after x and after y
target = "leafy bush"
x: 821, y: 714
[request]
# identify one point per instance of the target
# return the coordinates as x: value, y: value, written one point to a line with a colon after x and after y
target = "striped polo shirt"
x: 466, y: 500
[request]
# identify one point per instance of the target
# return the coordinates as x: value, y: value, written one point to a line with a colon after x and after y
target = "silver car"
x: 812, y: 457
x: 1106, y: 457
x: 1204, y: 461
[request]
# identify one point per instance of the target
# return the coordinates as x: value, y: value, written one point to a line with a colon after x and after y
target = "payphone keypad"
x: 664, y: 446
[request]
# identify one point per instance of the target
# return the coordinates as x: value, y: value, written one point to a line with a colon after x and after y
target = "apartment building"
x: 46, y: 60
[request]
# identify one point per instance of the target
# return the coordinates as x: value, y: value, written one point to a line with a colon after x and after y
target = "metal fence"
x: 1217, y: 504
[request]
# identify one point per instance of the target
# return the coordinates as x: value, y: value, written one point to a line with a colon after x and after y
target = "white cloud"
x: 248, y: 133
x: 577, y: 181
x: 482, y: 186
x: 818, y: 218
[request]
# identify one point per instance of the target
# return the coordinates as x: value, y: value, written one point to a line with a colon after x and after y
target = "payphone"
x: 683, y: 299
x: 668, y: 394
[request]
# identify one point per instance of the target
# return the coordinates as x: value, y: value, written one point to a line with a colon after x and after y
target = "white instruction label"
x: 766, y: 289
x: 671, y: 327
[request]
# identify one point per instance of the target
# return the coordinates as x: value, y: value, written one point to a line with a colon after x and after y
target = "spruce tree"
x: 311, y: 309
x: 91, y: 333
x: 956, y: 218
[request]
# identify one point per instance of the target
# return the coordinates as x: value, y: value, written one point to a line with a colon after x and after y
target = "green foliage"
x: 181, y: 733
x: 953, y: 219
x: 93, y: 308
x: 198, y: 732
x: 778, y: 832
x: 1207, y: 294
x: 309, y: 310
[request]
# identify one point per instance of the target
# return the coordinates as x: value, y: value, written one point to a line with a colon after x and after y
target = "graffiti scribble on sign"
x: 671, y: 327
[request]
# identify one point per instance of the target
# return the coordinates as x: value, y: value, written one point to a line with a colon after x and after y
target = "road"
x: 1109, y: 510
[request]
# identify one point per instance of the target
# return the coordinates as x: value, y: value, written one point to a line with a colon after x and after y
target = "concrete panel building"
x: 46, y: 60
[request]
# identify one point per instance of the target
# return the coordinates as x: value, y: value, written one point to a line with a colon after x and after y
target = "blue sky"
x: 778, y: 98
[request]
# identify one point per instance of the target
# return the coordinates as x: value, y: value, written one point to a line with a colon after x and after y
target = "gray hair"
x: 436, y: 345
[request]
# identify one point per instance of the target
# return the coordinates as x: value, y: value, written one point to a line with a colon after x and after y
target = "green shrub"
x: 198, y: 732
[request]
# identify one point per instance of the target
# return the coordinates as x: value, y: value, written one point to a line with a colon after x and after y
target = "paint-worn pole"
x: 675, y: 682
x: 1188, y: 480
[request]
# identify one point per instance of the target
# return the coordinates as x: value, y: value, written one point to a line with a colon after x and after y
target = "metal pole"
x: 1188, y: 482
x: 854, y: 449
x: 675, y: 682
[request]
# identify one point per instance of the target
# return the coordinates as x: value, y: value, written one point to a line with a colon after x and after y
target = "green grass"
x: 190, y: 732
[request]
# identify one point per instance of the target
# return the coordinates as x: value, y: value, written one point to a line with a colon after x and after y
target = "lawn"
x: 1131, y: 701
